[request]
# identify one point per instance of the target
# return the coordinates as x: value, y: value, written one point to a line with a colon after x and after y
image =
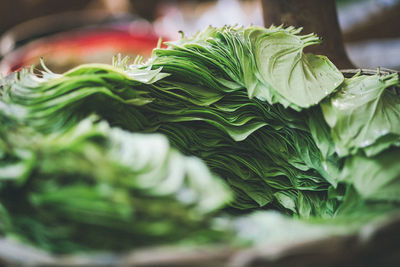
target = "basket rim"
x: 379, y: 71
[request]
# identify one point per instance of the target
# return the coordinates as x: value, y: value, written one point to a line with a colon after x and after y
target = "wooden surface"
x: 317, y: 16
x: 375, y: 244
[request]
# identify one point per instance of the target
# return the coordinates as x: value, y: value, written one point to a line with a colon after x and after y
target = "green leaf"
x: 375, y: 178
x: 298, y: 80
x: 133, y: 188
x: 364, y: 115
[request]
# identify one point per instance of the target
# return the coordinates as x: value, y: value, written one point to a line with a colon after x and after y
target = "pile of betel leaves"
x: 120, y: 156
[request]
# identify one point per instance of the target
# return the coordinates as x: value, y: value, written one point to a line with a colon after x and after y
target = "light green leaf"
x: 301, y: 79
x: 364, y: 112
x: 375, y: 178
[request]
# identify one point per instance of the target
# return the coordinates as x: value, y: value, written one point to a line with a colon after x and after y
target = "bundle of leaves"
x: 94, y: 187
x: 284, y: 129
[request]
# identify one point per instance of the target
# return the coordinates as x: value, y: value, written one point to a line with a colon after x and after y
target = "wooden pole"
x: 317, y: 16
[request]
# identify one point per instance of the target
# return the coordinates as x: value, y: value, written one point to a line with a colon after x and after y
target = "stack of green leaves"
x: 94, y: 187
x: 285, y: 129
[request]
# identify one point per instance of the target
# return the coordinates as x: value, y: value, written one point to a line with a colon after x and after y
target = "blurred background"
x: 68, y: 33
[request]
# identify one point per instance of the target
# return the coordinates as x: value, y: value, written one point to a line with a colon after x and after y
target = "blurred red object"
x: 66, y: 50
x: 69, y: 43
